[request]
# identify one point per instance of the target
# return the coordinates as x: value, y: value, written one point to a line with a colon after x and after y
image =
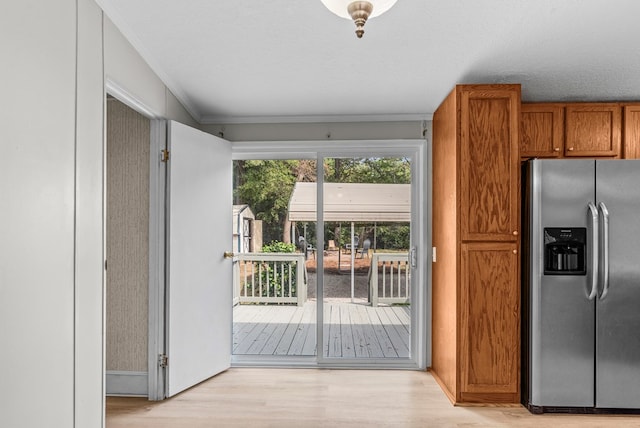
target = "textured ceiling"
x: 252, y: 61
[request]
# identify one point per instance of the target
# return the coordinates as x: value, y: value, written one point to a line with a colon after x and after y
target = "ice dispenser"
x: 564, y: 250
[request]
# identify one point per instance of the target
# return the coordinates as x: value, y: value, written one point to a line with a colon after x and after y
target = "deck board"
x: 350, y: 330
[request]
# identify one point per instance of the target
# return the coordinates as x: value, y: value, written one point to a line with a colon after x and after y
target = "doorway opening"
x: 341, y: 226
x: 127, y: 250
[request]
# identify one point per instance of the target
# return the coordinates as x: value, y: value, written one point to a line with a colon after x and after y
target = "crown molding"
x: 216, y: 120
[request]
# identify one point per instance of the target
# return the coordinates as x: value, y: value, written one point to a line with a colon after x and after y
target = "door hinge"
x: 164, y: 155
x: 163, y: 361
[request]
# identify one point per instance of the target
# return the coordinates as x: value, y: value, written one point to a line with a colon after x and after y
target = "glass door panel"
x: 366, y: 271
x: 275, y: 255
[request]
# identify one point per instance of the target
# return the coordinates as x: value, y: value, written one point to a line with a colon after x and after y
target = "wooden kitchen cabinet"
x: 542, y: 130
x: 475, y: 283
x: 489, y: 317
x: 489, y: 195
x: 631, y: 131
x: 592, y: 130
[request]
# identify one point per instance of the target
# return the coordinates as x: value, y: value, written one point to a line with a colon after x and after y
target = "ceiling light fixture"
x: 359, y: 11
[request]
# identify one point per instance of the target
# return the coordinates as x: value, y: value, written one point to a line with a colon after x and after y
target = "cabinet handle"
x: 557, y: 149
x: 515, y: 233
x: 515, y: 251
x: 570, y: 149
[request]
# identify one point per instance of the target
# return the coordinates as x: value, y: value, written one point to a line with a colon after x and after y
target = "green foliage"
x: 274, y: 279
x: 266, y: 186
x: 278, y: 247
x: 388, y: 236
x: 393, y: 236
x: 368, y: 170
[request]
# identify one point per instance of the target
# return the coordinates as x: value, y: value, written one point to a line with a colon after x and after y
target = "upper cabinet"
x: 489, y: 173
x: 631, y: 134
x: 542, y: 131
x: 571, y: 130
x: 592, y: 129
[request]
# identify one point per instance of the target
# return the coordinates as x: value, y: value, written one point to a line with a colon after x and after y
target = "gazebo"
x: 352, y: 202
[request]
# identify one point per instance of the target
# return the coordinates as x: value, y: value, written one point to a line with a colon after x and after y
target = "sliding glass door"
x: 325, y: 268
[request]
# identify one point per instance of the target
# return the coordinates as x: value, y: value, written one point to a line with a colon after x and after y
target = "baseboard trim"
x: 127, y: 383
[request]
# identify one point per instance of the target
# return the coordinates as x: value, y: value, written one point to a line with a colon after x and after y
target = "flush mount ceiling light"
x: 359, y: 11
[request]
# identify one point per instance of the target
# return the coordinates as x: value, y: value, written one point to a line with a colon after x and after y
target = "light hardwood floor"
x: 252, y: 397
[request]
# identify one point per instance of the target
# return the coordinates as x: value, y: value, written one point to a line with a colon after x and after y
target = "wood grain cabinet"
x: 476, y: 287
x: 489, y: 318
x: 542, y: 130
x: 592, y: 129
x: 631, y: 131
x: 557, y: 130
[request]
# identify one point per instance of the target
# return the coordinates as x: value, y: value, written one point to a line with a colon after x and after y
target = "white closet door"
x: 199, y: 288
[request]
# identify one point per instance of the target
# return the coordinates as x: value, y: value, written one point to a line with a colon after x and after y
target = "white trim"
x: 330, y: 118
x: 121, y: 94
x: 246, y: 150
x: 418, y: 150
x: 311, y: 362
x: 156, y: 322
x: 156, y: 310
x: 126, y: 383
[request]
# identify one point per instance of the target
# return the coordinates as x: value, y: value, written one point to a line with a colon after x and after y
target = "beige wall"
x: 127, y: 284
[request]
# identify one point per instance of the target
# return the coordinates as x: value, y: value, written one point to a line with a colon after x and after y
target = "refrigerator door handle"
x: 605, y: 250
x: 593, y: 211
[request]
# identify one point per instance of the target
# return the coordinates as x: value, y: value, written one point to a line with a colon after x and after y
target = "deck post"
x: 373, y: 281
x: 301, y: 286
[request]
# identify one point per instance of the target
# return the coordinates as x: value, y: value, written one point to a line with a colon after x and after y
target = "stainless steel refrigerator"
x: 581, y: 285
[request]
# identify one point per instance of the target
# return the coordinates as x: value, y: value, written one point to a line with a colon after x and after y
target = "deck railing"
x: 389, y: 278
x: 269, y: 278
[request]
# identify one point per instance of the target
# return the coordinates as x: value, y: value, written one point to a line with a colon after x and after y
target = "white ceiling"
x: 293, y: 60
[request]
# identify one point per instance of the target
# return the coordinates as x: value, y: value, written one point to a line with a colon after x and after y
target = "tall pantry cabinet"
x: 476, y: 232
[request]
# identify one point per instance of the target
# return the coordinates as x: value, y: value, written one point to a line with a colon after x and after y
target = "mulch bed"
x: 361, y: 265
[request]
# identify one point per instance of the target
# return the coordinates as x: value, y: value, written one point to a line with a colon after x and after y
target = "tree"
x: 266, y: 186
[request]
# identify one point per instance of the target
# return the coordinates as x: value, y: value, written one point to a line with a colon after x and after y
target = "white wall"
x: 125, y: 68
x: 89, y: 256
x: 51, y: 205
x: 37, y: 188
x: 318, y: 131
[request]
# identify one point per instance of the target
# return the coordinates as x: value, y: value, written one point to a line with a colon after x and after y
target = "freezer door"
x: 562, y: 320
x: 618, y: 306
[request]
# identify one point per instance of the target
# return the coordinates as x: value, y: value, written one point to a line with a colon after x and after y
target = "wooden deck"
x: 351, y: 330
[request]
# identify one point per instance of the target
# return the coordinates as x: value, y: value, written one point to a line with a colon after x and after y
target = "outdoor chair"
x: 312, y: 250
x: 364, y: 251
x: 347, y: 247
x: 332, y: 245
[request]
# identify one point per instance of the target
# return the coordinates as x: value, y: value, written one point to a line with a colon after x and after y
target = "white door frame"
x: 419, y: 151
x: 157, y: 184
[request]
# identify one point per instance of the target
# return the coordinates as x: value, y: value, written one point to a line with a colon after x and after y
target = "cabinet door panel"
x: 489, y: 187
x: 542, y: 132
x: 490, y: 320
x: 592, y: 130
x: 632, y: 132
